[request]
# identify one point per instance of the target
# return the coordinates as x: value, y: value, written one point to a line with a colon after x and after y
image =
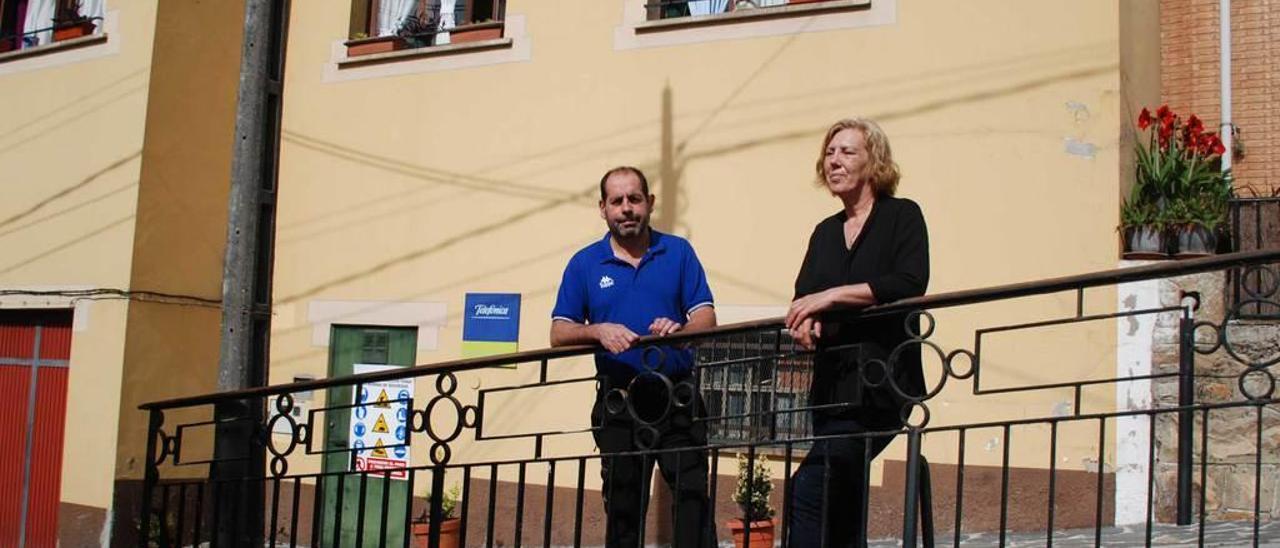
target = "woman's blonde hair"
x: 880, y: 170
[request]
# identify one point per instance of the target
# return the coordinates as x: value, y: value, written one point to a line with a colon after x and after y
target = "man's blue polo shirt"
x: 600, y: 288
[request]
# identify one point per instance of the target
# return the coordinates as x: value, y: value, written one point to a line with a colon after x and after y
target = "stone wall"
x: 1233, y: 432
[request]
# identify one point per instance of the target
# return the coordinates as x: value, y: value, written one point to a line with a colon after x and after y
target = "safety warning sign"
x: 379, y: 424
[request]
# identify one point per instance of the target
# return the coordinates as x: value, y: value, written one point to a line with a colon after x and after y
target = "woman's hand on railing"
x: 807, y: 333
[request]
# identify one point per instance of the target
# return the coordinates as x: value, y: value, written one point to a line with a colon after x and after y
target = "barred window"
x: 754, y: 387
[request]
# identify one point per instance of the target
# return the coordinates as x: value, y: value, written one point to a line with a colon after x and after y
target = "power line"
x: 109, y: 293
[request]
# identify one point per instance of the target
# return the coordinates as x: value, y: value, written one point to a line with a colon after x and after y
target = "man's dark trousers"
x: 627, y: 478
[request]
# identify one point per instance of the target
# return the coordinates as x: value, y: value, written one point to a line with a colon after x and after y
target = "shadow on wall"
x: 670, y: 167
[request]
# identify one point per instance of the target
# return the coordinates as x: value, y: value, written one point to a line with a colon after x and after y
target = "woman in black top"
x: 874, y: 250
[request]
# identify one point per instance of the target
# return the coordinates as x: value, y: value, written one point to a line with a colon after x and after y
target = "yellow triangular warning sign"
x: 380, y: 426
x: 383, y: 400
x: 378, y: 450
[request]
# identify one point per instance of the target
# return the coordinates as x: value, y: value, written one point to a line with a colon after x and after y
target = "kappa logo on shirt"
x: 606, y: 282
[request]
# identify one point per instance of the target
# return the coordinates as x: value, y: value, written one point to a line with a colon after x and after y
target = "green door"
x: 349, y: 345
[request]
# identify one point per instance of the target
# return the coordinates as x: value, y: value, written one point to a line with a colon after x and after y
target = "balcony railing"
x: 1050, y: 460
x: 1255, y: 224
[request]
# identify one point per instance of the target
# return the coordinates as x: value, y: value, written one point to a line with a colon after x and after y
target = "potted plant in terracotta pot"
x: 752, y: 496
x: 416, y: 31
x: 449, y: 525
x: 71, y: 23
x: 476, y: 32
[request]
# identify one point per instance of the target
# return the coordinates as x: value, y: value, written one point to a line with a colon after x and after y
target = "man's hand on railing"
x: 613, y: 337
x: 662, y: 327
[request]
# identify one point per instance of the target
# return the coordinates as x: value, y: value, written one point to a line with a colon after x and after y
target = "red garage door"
x: 35, y: 348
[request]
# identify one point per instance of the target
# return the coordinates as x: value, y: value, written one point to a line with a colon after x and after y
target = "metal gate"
x: 35, y: 349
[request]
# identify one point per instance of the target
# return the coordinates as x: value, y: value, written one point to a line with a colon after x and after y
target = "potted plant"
x: 363, y: 44
x: 449, y: 526
x: 1196, y: 221
x: 419, y: 30
x: 70, y: 23
x: 1144, y: 237
x: 416, y: 31
x: 1178, y: 188
x: 752, y: 496
x: 476, y: 31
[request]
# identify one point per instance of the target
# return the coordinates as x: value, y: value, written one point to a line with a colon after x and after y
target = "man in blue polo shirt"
x: 637, y: 281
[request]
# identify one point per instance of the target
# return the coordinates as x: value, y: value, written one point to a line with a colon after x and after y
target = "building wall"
x: 418, y: 180
x: 71, y: 148
x: 1189, y: 43
x: 171, y: 345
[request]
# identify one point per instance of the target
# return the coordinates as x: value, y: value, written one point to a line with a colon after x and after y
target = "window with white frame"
x: 378, y: 26
x: 29, y: 23
x: 669, y: 9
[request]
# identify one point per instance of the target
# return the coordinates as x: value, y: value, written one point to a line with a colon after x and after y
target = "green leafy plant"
x: 70, y: 14
x: 754, y: 488
x: 419, y: 29
x: 448, y: 503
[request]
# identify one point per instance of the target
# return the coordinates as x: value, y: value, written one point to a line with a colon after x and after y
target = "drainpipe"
x: 1224, y: 62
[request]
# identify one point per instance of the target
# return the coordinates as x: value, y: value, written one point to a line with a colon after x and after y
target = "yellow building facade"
x: 411, y: 178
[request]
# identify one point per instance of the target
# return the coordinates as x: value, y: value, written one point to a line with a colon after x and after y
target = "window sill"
x: 428, y: 51
x: 52, y: 48
x: 754, y: 14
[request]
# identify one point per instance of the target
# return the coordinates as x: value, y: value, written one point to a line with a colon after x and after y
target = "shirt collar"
x: 657, y: 244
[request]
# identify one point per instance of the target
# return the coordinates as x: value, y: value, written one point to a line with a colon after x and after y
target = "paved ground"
x: 1215, y: 534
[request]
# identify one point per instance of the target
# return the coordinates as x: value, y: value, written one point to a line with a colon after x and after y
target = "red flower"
x: 1145, y: 119
x: 1164, y: 114
x: 1194, y: 125
x: 1165, y: 131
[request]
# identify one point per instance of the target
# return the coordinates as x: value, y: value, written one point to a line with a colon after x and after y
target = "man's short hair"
x: 644, y: 182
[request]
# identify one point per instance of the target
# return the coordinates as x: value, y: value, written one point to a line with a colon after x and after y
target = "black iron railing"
x: 1031, y: 470
x: 1255, y: 224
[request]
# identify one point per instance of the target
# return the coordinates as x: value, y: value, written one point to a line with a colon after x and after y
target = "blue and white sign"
x: 490, y: 323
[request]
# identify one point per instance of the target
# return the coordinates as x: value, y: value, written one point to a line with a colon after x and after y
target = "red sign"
x: 374, y: 464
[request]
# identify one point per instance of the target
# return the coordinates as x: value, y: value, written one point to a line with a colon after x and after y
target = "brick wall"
x: 1189, y: 77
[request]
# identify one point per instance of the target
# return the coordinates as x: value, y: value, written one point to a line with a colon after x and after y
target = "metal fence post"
x: 150, y: 476
x: 911, y: 504
x: 1186, y: 398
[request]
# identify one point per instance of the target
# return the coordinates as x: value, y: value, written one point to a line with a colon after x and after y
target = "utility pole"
x: 239, y: 453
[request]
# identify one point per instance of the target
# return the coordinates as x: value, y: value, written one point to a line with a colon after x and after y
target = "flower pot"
x: 76, y: 30
x: 761, y: 532
x: 1144, y: 242
x: 377, y: 44
x: 475, y: 33
x: 449, y: 532
x: 1196, y: 240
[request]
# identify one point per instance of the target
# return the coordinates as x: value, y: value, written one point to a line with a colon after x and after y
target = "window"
x: 29, y: 23
x: 380, y: 26
x: 668, y: 9
x: 755, y: 387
